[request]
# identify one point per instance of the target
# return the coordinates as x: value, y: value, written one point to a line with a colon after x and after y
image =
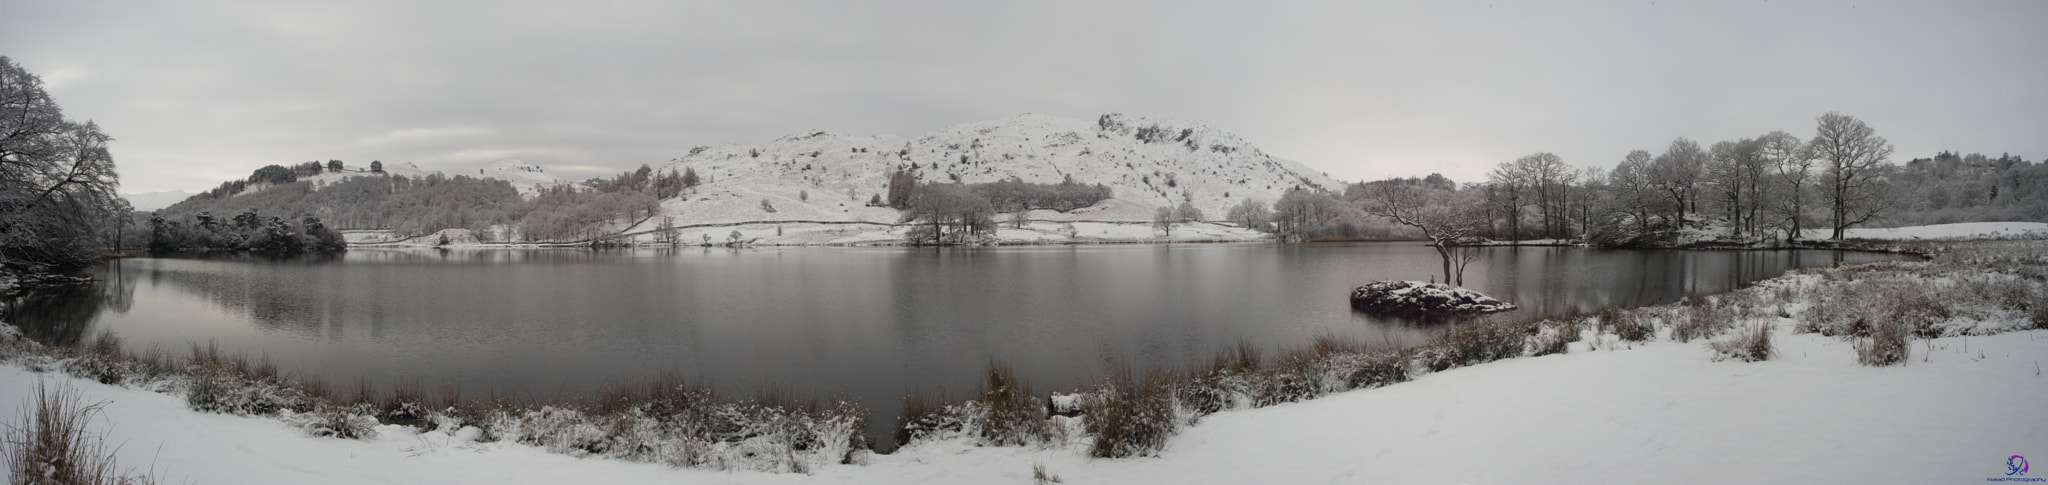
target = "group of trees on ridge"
x: 1773, y: 187
x: 492, y: 209
x: 955, y: 213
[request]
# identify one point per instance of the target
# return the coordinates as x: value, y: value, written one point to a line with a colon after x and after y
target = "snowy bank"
x: 1942, y: 231
x: 1657, y: 412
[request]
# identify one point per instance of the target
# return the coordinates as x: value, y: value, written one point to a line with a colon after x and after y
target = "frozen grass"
x: 1486, y: 340
x: 1015, y: 416
x: 1131, y: 414
x: 1040, y: 476
x: 1005, y: 411
x: 50, y: 444
x: 1749, y: 345
x: 1624, y: 324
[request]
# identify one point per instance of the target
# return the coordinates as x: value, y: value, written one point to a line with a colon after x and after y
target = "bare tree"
x: 1791, y: 167
x: 1633, y: 179
x: 1442, y: 217
x: 1301, y: 212
x: 1733, y: 170
x: 1677, y: 174
x: 1163, y: 220
x: 1592, y: 196
x: 1545, y: 175
x: 1186, y: 213
x: 1251, y: 214
x: 1510, y: 181
x: 665, y: 234
x: 57, y: 179
x: 1857, y: 166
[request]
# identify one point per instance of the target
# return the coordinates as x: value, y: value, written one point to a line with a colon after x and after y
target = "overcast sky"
x: 200, y: 92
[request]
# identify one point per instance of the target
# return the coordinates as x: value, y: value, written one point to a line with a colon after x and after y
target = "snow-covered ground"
x: 1941, y: 231
x: 1661, y: 412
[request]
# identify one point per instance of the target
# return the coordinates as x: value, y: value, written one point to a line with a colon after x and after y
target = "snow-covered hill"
x: 149, y: 201
x: 528, y: 178
x: 1146, y: 162
x: 806, y: 187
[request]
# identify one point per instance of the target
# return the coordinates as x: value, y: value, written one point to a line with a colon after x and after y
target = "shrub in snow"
x: 1237, y: 379
x: 926, y: 415
x: 1552, y: 339
x: 559, y: 429
x: 1886, y: 345
x: 1931, y: 300
x: 1749, y: 345
x: 49, y: 443
x: 1625, y: 324
x: 1039, y: 475
x: 1296, y: 375
x: 1005, y: 412
x: 332, y: 420
x: 1130, y: 415
x: 1420, y: 299
x: 683, y: 425
x: 1699, y: 317
x: 1362, y: 370
x: 216, y: 383
x: 1228, y: 383
x: 102, y: 361
x: 1014, y: 414
x: 1477, y: 342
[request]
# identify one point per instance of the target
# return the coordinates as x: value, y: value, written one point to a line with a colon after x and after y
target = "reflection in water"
x: 869, y: 322
x: 64, y: 315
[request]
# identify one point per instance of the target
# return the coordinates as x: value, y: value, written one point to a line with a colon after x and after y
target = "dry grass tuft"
x: 1749, y: 345
x: 1131, y: 414
x: 49, y: 444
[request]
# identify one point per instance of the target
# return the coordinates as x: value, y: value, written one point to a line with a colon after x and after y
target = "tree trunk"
x: 1446, y: 254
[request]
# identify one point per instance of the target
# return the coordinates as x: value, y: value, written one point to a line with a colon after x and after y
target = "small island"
x: 1416, y: 298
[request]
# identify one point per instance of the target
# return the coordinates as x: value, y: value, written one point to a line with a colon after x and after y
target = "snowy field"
x: 1661, y: 412
x: 1605, y: 411
x: 1942, y: 231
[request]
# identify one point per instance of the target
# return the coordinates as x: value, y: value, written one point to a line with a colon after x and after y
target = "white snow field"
x: 1661, y: 412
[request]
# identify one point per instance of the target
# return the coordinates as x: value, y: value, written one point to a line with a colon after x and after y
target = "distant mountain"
x: 149, y: 201
x: 1146, y: 162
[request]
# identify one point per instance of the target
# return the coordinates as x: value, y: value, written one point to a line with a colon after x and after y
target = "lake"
x: 872, y: 323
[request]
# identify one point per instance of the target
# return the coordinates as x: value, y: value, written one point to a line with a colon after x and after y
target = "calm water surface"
x: 871, y: 323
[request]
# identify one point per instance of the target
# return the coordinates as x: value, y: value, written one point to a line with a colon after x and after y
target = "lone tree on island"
x: 1446, y: 221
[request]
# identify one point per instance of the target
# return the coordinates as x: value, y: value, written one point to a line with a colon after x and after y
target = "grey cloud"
x: 198, y: 92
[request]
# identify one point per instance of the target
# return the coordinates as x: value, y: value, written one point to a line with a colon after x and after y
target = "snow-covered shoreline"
x: 1606, y: 410
x: 1050, y: 229
x: 1036, y: 232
